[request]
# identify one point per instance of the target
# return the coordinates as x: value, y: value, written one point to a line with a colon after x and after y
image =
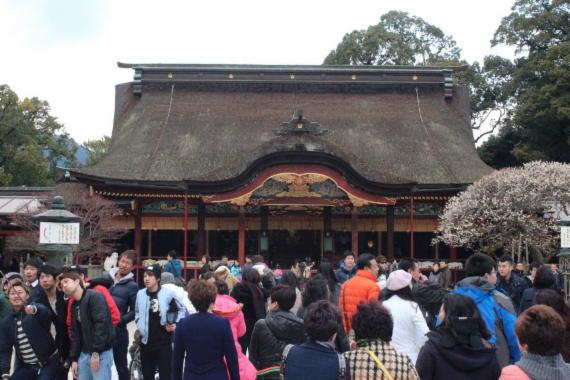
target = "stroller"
x: 135, y: 366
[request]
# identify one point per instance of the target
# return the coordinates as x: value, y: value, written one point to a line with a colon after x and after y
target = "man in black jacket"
x: 279, y: 328
x: 124, y: 291
x: 508, y: 282
x: 428, y: 296
x: 27, y: 330
x: 31, y: 269
x: 92, y: 331
x: 54, y: 300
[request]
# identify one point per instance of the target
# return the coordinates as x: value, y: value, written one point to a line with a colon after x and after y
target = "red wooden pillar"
x: 241, y: 236
x: 452, y: 254
x: 390, y: 233
x: 354, y: 230
x: 412, y: 226
x: 185, y: 234
x: 138, y: 234
x: 201, y: 230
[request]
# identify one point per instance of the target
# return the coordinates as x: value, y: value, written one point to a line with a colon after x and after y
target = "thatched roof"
x: 205, y: 124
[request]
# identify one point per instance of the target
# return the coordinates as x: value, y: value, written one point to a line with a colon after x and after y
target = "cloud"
x: 51, y: 22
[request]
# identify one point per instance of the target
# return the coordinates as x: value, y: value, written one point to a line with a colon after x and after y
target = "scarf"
x: 540, y: 367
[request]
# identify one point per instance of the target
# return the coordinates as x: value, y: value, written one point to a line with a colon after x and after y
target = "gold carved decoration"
x: 357, y: 202
x: 299, y: 184
x: 165, y: 207
x: 241, y: 201
x: 298, y: 187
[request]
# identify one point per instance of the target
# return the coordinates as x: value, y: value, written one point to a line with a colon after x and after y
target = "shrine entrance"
x: 287, y: 245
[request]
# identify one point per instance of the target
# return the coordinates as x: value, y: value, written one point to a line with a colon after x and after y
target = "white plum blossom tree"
x: 512, y: 209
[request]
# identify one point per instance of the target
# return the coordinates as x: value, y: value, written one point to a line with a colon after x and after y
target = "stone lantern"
x: 59, y: 233
x: 564, y: 262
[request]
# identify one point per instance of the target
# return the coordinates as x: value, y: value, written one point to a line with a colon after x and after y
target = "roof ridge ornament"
x: 300, y: 125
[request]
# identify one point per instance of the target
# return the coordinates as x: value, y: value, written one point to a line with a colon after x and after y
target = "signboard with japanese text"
x: 59, y: 233
x: 564, y: 237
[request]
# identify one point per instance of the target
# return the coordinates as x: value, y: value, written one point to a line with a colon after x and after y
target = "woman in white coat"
x: 410, y: 327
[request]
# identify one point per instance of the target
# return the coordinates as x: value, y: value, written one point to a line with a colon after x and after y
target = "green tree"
x: 398, y: 39
x: 539, y: 84
x: 32, y: 141
x: 402, y: 39
x: 97, y: 149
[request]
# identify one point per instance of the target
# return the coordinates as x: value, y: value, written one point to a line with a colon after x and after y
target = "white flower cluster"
x: 508, y: 208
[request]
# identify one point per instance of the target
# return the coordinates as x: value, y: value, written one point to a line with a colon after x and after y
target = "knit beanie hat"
x: 398, y: 279
x: 49, y: 270
x: 166, y: 278
x: 155, y: 270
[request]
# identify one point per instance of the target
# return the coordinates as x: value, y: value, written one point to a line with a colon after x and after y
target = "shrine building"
x: 286, y: 161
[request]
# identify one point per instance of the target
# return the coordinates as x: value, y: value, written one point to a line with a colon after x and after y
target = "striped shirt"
x: 27, y: 354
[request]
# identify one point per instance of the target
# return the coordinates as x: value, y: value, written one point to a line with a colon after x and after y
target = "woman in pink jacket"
x: 226, y: 307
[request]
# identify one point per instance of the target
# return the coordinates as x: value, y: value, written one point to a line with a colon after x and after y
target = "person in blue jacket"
x: 173, y: 265
x: 27, y: 331
x: 347, y: 269
x: 205, y: 339
x: 496, y: 309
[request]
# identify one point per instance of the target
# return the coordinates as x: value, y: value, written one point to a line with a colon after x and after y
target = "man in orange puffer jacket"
x: 361, y: 288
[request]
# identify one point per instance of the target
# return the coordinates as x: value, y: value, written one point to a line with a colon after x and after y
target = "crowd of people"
x: 369, y: 319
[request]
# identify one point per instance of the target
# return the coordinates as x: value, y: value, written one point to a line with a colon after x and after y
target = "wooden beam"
x: 201, y: 230
x: 241, y: 236
x: 452, y: 254
x: 138, y: 233
x: 185, y: 235
x: 327, y: 218
x: 390, y: 233
x: 354, y: 230
x: 412, y: 226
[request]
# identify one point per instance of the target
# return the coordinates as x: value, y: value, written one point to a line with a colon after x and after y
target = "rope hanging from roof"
x: 162, y: 130
x: 431, y: 142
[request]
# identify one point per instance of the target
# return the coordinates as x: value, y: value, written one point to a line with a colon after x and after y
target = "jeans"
x: 156, y: 357
x: 47, y: 372
x: 84, y: 371
x: 120, y: 349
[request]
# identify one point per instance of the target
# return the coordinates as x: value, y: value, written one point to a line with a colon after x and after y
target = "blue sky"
x: 65, y: 51
x: 60, y: 21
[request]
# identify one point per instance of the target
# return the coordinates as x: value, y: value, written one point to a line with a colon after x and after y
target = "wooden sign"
x: 59, y: 233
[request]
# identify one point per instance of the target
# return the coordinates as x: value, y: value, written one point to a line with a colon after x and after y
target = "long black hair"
x: 327, y: 271
x: 463, y: 320
x: 316, y: 289
x: 290, y: 278
x: 405, y: 293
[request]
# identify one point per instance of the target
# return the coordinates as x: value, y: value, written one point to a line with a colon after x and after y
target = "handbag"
x: 380, y: 365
